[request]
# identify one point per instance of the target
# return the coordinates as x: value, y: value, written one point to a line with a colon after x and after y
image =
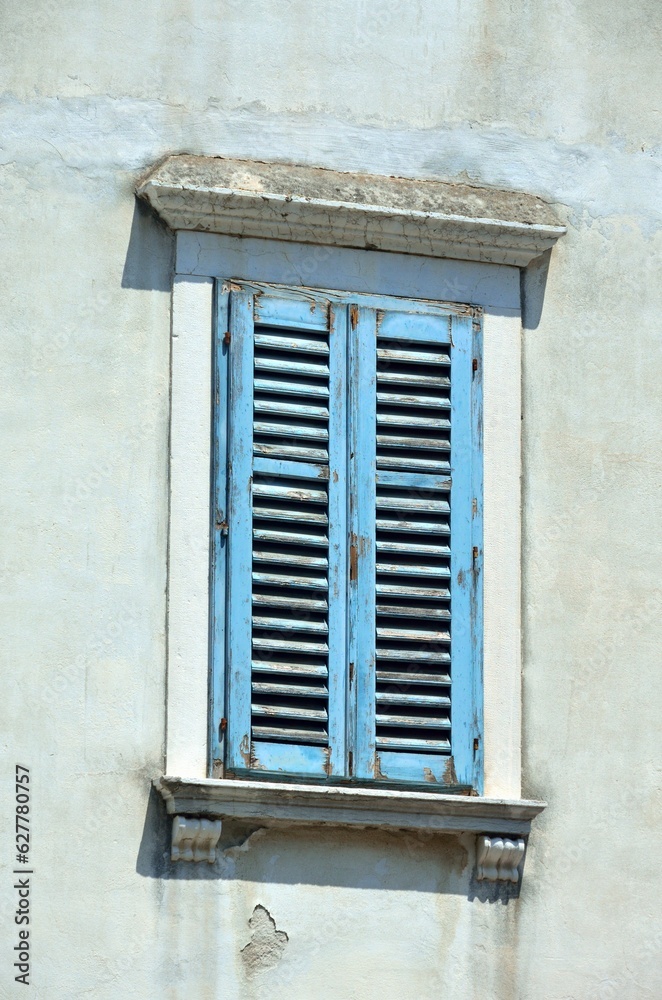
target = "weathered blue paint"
x: 414, y: 738
x: 297, y: 470
x: 415, y: 326
x: 466, y: 553
x: 218, y: 527
x: 288, y: 759
x: 294, y: 311
x: 422, y: 613
x: 362, y: 484
x: 338, y: 543
x: 414, y: 480
x: 477, y: 659
x: 288, y: 724
x: 240, y: 531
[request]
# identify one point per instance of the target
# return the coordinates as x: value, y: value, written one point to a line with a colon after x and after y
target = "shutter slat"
x: 406, y: 378
x: 290, y: 711
x: 290, y: 646
x: 413, y: 611
x: 411, y: 635
x: 414, y: 481
x: 288, y: 366
x: 305, y: 390
x: 312, y: 431
x: 289, y: 538
x: 286, y: 579
x: 411, y: 743
x: 299, y: 494
x: 386, y: 355
x: 431, y: 403
x: 412, y: 548
x: 293, y: 735
x: 416, y: 527
x: 307, y: 517
x: 410, y: 677
x: 412, y: 443
x: 412, y: 422
x: 289, y: 601
x: 289, y: 559
x: 419, y: 569
x: 295, y: 344
x: 294, y: 691
x: 290, y: 452
x: 413, y: 655
x: 290, y: 408
x: 412, y: 462
x: 387, y: 501
x: 413, y: 721
x: 402, y: 591
x: 415, y: 699
x: 289, y: 624
x: 291, y: 669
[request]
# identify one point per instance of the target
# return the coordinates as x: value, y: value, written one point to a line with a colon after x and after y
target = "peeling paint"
x: 449, y: 776
x: 246, y: 844
x: 245, y: 750
x: 267, y: 944
x: 377, y: 768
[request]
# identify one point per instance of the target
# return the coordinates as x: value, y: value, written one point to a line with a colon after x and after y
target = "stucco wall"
x: 557, y: 99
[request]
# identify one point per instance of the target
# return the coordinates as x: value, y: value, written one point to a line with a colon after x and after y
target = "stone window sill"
x: 200, y: 805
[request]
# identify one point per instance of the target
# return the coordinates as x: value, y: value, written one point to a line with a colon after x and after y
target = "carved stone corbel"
x: 498, y: 859
x: 194, y: 839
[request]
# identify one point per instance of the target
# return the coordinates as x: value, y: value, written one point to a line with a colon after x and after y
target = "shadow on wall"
x: 532, y: 283
x: 150, y: 255
x: 404, y: 860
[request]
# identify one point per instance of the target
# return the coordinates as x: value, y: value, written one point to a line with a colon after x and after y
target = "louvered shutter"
x: 287, y: 559
x: 414, y: 638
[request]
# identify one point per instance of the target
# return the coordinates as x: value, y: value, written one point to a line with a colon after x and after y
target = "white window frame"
x: 495, y: 288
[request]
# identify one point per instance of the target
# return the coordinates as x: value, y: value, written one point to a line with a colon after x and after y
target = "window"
x: 396, y: 247
x: 347, y: 537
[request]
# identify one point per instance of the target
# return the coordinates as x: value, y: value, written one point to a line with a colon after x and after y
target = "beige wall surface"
x: 561, y: 100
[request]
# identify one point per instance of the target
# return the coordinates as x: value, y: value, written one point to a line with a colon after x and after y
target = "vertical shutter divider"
x: 338, y: 533
x: 465, y: 561
x: 219, y: 516
x: 363, y: 438
x: 240, y: 540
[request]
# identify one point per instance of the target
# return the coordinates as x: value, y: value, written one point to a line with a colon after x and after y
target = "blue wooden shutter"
x: 287, y: 560
x: 416, y: 498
